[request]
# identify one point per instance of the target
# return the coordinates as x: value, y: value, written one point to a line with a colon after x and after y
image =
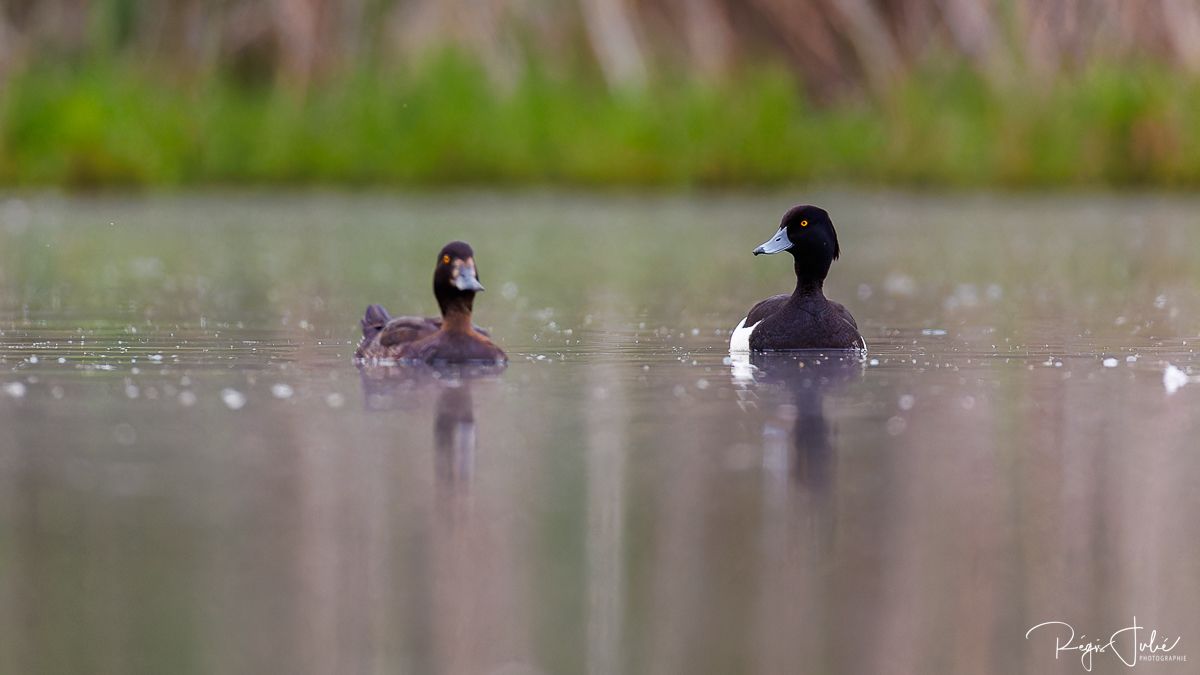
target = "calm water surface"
x: 195, y: 478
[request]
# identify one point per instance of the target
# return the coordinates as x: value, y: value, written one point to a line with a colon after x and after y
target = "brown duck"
x: 452, y: 338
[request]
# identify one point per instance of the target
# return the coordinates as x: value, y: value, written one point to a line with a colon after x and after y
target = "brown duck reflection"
x: 393, y: 387
x: 466, y: 604
x: 454, y: 432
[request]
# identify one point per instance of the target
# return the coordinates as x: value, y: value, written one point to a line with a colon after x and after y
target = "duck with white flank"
x: 806, y: 319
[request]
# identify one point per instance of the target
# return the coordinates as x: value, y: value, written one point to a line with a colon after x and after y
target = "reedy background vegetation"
x: 596, y: 92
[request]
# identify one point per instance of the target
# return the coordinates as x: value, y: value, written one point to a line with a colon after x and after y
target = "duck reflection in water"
x: 399, y: 387
x: 454, y: 432
x: 809, y: 378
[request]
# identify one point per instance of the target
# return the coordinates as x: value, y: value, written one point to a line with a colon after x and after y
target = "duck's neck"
x: 456, y: 315
x: 807, y: 289
x: 810, y: 278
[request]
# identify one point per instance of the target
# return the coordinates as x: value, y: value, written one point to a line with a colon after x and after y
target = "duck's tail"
x: 374, y: 321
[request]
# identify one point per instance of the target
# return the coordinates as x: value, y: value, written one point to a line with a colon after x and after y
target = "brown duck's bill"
x: 466, y: 279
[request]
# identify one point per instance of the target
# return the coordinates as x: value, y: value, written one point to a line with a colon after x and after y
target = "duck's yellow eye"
x: 445, y: 260
x: 804, y: 223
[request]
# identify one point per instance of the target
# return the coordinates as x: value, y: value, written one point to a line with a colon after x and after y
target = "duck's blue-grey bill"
x: 779, y: 242
x: 466, y: 280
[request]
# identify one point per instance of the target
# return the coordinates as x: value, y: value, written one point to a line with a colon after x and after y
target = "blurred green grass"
x: 444, y: 122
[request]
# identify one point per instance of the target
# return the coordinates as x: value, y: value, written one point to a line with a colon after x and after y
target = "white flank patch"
x: 740, y: 340
x: 740, y: 367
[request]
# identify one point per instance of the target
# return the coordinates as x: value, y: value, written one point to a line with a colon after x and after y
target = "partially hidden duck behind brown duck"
x: 453, y: 338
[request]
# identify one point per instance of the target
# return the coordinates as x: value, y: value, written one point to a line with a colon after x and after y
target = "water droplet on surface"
x: 233, y: 399
x: 1110, y: 362
x: 281, y: 390
x: 335, y: 400
x: 187, y: 399
x: 1174, y: 379
x: 907, y: 401
x: 14, y: 389
x: 900, y: 284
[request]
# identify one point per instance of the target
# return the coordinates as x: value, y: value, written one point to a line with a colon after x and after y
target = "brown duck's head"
x: 455, y: 279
